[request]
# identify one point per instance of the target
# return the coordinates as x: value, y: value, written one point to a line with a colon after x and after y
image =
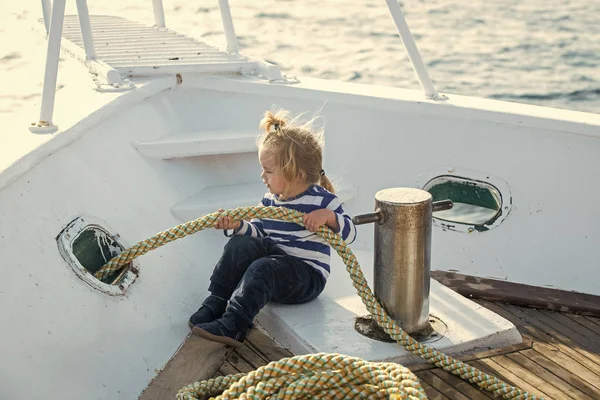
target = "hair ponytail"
x: 326, y: 183
x: 276, y: 121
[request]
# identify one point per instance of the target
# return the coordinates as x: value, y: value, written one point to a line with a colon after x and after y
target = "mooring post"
x: 402, y: 258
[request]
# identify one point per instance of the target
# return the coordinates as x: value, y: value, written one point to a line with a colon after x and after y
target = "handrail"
x: 46, y: 10
x: 232, y: 44
x: 86, y: 29
x: 411, y: 49
x: 159, y: 13
x: 54, y: 29
x: 51, y: 72
x: 54, y: 15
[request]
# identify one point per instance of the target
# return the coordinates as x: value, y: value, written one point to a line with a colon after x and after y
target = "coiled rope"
x: 327, y: 376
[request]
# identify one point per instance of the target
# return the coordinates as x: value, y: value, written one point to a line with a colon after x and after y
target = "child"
x: 271, y: 260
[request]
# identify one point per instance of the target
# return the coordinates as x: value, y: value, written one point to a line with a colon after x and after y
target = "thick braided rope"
x: 321, y: 375
x: 432, y: 355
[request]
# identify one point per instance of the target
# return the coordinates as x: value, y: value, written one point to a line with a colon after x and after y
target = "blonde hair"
x: 298, y: 149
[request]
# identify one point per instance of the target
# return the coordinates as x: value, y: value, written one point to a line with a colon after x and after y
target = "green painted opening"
x: 475, y: 203
x: 93, y: 248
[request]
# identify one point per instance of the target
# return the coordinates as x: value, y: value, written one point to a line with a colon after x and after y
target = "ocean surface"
x: 544, y: 52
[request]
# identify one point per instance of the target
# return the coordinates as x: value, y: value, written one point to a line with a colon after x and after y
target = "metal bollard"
x: 403, y: 253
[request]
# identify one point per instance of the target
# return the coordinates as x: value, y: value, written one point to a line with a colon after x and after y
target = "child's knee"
x: 240, y: 241
x: 261, y: 269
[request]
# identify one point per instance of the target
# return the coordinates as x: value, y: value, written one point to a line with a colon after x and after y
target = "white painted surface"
x: 327, y: 323
x: 545, y: 158
x: 199, y: 143
x: 46, y: 10
x: 79, y: 343
x: 86, y: 29
x: 210, y: 199
x: 136, y: 49
x: 232, y: 45
x: 411, y: 49
x: 51, y: 71
x: 21, y: 150
x: 69, y: 235
x: 159, y: 13
x: 502, y: 193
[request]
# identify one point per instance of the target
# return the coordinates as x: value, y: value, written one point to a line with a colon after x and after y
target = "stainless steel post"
x: 403, y: 254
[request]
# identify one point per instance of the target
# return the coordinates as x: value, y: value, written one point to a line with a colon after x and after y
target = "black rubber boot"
x: 212, y: 308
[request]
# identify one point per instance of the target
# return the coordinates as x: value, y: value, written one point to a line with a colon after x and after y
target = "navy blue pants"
x: 253, y: 271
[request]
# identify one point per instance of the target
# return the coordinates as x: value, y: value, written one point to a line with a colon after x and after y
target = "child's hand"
x: 226, y: 223
x: 316, y: 219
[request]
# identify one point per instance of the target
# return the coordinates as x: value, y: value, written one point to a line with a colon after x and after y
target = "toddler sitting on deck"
x: 270, y: 260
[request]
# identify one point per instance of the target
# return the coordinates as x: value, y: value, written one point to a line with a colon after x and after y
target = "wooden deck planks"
x: 195, y: 360
x: 562, y: 372
x: 594, y: 320
x: 547, y: 378
x: 556, y: 333
x: 545, y: 341
x: 432, y: 393
x: 461, y: 386
x: 559, y: 359
x: 446, y: 390
x: 587, y: 323
x: 519, y: 294
x: 492, y: 367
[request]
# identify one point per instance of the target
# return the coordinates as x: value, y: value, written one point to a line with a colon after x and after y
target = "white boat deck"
x: 212, y: 198
x: 110, y: 347
x: 327, y: 323
x: 136, y: 49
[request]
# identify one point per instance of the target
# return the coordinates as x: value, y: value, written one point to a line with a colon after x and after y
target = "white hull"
x: 67, y: 340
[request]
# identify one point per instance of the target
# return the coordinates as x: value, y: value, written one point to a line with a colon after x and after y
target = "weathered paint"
x: 80, y: 343
x: 473, y: 178
x: 498, y: 289
x: 67, y: 242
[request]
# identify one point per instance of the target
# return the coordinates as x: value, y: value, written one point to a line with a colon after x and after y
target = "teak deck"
x: 558, y: 359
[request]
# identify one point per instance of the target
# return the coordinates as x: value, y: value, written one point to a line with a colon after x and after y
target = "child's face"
x: 271, y: 173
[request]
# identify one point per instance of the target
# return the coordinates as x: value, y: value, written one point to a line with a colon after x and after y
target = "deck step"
x: 210, y: 199
x: 200, y: 143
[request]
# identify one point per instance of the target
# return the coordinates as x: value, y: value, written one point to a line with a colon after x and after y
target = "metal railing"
x: 86, y: 30
x: 54, y: 19
x: 159, y: 13
x: 54, y: 28
x: 54, y: 15
x: 51, y: 71
x: 411, y: 49
x: 232, y: 45
x: 46, y: 9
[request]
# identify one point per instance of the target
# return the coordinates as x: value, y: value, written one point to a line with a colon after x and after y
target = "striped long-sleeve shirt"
x: 294, y: 239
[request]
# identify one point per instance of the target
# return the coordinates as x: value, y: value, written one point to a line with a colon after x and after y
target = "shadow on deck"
x: 558, y: 359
